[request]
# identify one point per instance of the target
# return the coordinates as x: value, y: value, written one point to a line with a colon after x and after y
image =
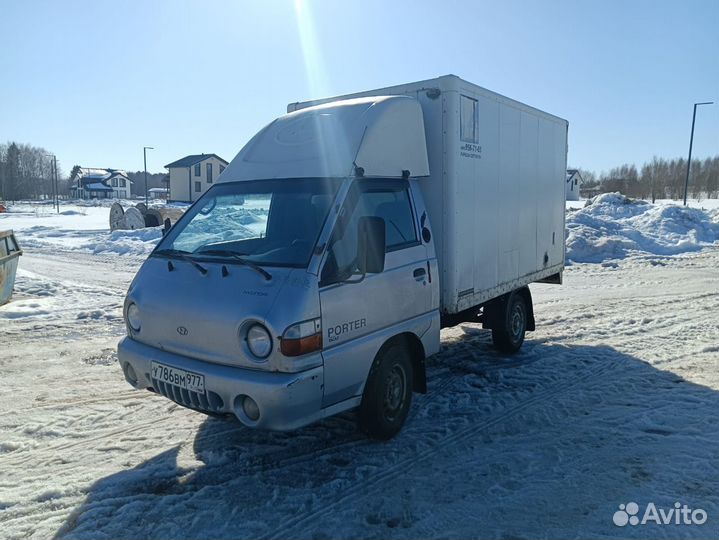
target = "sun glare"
x: 311, y: 51
x: 329, y: 137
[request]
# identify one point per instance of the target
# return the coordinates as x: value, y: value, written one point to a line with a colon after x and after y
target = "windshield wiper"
x: 184, y: 255
x: 236, y: 256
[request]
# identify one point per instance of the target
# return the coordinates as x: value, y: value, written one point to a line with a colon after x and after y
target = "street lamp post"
x: 144, y: 157
x: 57, y: 184
x: 691, y: 142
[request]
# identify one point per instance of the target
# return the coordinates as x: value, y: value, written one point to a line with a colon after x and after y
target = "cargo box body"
x: 495, y: 193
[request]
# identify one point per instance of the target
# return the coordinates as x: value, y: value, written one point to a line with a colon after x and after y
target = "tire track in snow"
x: 456, y: 373
x: 436, y: 392
x: 301, y: 454
x: 257, y: 462
x: 294, y: 456
x: 109, y: 398
x: 288, y: 528
x: 49, y: 452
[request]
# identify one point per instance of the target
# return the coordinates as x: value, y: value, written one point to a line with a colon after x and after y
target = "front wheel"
x: 388, y: 394
x: 508, y: 335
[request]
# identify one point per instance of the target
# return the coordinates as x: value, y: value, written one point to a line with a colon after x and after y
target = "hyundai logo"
x: 182, y: 330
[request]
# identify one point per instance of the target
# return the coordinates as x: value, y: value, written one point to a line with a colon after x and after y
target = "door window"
x: 394, y: 207
x: 392, y: 204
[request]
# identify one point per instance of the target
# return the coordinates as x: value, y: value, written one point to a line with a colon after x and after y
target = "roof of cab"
x: 381, y: 135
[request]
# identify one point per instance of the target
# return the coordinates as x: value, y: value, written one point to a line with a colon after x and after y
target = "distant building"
x: 572, y: 184
x: 158, y: 192
x: 192, y: 175
x: 96, y: 183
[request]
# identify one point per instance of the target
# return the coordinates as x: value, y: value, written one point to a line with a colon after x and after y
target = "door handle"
x: 419, y: 273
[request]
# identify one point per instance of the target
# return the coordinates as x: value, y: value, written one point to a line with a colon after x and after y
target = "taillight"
x: 302, y: 338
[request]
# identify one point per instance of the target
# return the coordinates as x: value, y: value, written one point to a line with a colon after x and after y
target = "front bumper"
x: 285, y: 400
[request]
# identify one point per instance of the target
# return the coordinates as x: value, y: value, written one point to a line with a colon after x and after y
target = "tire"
x: 509, y: 335
x: 388, y: 393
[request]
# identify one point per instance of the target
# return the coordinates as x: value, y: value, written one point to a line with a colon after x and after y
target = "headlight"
x: 133, y: 317
x: 259, y: 341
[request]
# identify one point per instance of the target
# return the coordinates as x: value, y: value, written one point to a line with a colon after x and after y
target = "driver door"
x: 358, y: 314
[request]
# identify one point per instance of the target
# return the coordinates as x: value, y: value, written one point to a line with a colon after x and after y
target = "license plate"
x: 187, y: 380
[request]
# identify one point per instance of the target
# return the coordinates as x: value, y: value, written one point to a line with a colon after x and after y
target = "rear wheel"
x: 508, y: 334
x: 388, y: 393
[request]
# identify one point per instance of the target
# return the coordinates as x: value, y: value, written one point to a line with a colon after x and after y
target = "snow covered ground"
x: 614, y: 399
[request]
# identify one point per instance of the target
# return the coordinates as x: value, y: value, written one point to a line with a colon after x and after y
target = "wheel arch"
x: 414, y: 345
x: 495, y: 309
x: 527, y: 295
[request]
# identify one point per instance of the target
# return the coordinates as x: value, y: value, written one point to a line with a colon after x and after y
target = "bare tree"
x: 659, y: 179
x: 711, y: 178
x: 25, y: 172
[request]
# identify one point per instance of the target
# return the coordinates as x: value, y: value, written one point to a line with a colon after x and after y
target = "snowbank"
x: 137, y: 242
x: 75, y: 227
x: 612, y: 226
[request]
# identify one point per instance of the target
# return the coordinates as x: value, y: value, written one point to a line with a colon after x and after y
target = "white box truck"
x: 315, y: 275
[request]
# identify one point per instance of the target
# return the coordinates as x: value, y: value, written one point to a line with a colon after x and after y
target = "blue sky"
x: 95, y: 81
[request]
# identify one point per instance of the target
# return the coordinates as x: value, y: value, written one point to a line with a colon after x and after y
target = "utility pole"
x: 53, y: 182
x: 691, y: 142
x: 144, y: 157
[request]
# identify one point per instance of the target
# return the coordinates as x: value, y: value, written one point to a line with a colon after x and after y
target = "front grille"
x: 208, y: 402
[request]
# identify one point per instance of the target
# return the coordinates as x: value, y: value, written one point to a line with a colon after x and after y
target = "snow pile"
x: 76, y: 227
x: 612, y: 226
x: 137, y: 242
x: 714, y: 215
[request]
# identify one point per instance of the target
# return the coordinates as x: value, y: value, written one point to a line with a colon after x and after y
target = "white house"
x: 572, y: 184
x: 192, y: 175
x: 97, y: 183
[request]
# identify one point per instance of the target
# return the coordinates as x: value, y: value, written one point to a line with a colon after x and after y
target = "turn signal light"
x: 302, y: 338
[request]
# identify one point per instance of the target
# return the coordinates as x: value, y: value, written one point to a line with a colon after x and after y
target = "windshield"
x: 266, y: 222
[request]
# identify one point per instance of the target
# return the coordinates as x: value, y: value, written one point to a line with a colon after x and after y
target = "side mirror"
x: 371, y: 244
x: 426, y: 234
x: 167, y: 226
